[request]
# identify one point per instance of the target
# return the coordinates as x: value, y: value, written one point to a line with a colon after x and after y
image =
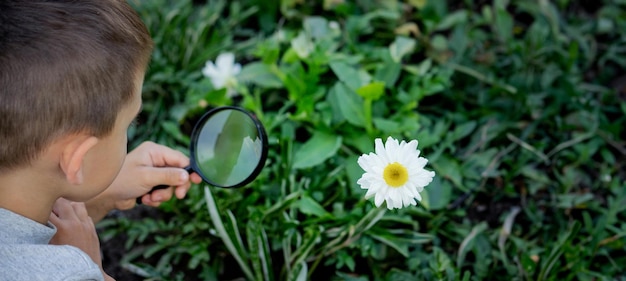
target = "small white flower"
x: 280, y: 36
x: 223, y: 72
x: 302, y: 45
x: 335, y: 29
x: 395, y: 173
x: 333, y: 25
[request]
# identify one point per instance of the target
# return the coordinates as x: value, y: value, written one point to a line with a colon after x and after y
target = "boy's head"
x: 65, y: 67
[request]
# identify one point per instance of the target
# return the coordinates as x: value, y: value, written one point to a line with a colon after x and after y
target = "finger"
x: 195, y: 178
x: 166, y: 157
x: 181, y: 190
x: 161, y: 195
x: 54, y: 219
x: 125, y: 204
x: 146, y: 200
x: 63, y: 209
x: 80, y: 210
x: 165, y: 176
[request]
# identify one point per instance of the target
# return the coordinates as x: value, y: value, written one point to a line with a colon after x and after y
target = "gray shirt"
x: 26, y: 255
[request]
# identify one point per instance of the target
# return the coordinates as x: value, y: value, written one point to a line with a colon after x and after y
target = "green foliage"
x: 512, y: 103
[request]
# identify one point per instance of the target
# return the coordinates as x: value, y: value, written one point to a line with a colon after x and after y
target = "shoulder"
x: 46, y: 262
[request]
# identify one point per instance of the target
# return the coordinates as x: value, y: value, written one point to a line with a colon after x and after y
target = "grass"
x: 518, y: 106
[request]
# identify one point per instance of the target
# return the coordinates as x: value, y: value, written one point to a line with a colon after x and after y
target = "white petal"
x: 367, y: 162
x: 395, y: 195
x: 236, y: 69
x: 217, y: 77
x: 421, y: 162
x: 209, y: 69
x: 415, y: 191
x: 408, y: 200
x: 370, y: 192
x: 423, y: 179
x: 389, y: 206
x: 405, y: 197
x: 225, y: 62
x: 378, y: 200
x: 412, y: 145
x: 363, y: 183
x: 397, y: 204
x: 391, y: 150
x: 418, y: 197
x: 380, y: 150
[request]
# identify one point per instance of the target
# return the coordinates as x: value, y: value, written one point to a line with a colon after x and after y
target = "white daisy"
x: 395, y: 173
x: 223, y: 72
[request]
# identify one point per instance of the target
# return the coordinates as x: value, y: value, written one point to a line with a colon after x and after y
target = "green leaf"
x: 433, y: 134
x: 259, y: 248
x: 441, y: 262
x: 564, y: 241
x: 573, y: 200
x: 344, y: 258
x: 468, y: 242
x: 463, y: 130
x: 316, y: 26
x: 259, y: 74
x: 437, y: 195
x: 353, y: 170
x: 351, y: 76
x: 449, y: 169
x: 439, y: 42
x: 420, y: 69
x: 309, y: 206
x: 388, y: 72
x: 173, y: 130
x: 221, y: 230
x: 372, y: 91
x: 316, y: 150
x: 458, y: 17
x: 418, y: 3
x: 282, y: 204
x: 392, y: 242
x: 387, y: 126
x: 303, y: 271
x: 311, y: 238
x: 503, y: 24
x: 401, y: 47
x: 350, y: 104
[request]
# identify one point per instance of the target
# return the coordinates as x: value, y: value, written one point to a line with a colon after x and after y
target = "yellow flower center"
x: 395, y: 174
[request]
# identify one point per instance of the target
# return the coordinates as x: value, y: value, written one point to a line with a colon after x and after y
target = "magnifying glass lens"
x: 228, y: 148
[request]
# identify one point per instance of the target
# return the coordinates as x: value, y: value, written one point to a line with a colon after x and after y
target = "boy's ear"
x: 73, y: 157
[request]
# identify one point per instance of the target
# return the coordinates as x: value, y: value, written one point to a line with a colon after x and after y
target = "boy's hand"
x: 148, y: 165
x: 75, y: 228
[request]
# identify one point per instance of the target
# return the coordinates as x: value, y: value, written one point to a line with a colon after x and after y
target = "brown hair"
x: 65, y: 67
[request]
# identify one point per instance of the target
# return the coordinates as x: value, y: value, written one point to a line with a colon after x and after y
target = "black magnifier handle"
x: 163, y: 186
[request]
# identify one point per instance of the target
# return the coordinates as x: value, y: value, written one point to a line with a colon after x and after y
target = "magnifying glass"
x: 228, y: 148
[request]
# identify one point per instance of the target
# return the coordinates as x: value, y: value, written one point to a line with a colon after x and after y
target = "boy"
x: 70, y: 85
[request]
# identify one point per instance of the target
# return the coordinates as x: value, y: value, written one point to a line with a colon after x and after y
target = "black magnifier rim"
x: 195, y: 135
